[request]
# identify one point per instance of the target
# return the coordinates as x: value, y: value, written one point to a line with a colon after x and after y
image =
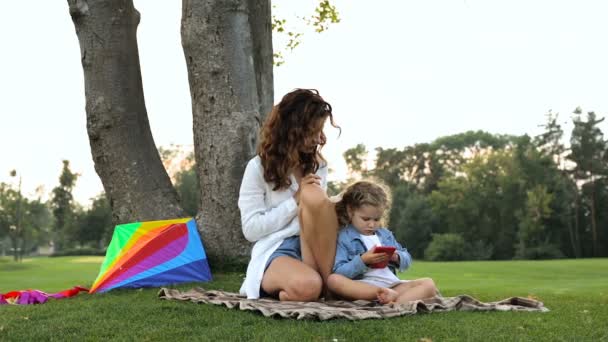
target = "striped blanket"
x: 352, y: 310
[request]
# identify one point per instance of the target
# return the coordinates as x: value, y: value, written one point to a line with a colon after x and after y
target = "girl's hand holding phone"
x: 371, y: 257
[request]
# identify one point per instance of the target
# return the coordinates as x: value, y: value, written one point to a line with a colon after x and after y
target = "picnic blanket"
x: 352, y: 310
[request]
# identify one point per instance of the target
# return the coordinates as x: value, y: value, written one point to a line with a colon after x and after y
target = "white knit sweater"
x: 267, y: 218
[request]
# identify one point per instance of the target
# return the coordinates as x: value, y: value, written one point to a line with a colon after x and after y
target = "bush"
x: 479, y: 250
x: 543, y: 251
x: 446, y: 247
x: 79, y: 251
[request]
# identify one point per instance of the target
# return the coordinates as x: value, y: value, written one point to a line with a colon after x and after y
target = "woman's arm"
x: 257, y: 220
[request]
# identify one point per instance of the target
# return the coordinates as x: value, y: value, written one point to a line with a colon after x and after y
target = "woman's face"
x: 315, y: 137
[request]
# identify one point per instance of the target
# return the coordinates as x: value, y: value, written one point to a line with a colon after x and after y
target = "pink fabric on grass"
x: 28, y: 297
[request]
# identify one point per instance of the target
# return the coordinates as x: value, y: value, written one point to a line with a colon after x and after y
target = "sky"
x: 396, y: 72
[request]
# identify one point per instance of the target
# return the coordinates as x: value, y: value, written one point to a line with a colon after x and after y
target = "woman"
x: 283, y: 204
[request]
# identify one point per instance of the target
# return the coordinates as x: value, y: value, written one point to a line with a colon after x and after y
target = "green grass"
x: 576, y: 291
x: 48, y: 274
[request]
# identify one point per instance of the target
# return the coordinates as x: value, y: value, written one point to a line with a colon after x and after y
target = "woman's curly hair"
x: 361, y: 193
x: 290, y: 124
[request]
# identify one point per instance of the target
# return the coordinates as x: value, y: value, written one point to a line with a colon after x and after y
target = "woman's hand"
x: 308, y: 179
x: 370, y: 257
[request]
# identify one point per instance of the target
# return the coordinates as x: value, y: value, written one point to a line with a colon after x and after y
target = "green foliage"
x: 479, y: 250
x: 588, y: 147
x: 23, y: 221
x: 550, y: 141
x: 388, y: 166
x: 479, y: 204
x: 506, y: 196
x: 11, y: 216
x: 79, y: 251
x: 325, y: 14
x: 446, y: 247
x: 539, y: 252
x: 475, y: 140
x: 532, y: 232
x: 63, y: 206
x: 593, y: 201
x: 356, y: 159
x: 188, y: 190
x: 589, y: 150
x: 94, y: 226
x: 573, y: 290
x: 8, y: 198
x: 185, y: 179
x: 227, y: 264
x: 412, y: 219
x: 38, y: 221
x: 168, y: 153
x: 486, y: 200
x: 426, y: 164
x: 334, y: 188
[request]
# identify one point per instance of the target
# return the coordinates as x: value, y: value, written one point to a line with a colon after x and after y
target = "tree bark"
x: 123, y: 150
x: 228, y: 50
x: 593, y: 220
x: 577, y: 220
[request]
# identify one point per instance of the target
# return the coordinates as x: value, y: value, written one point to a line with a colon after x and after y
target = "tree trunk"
x: 577, y: 222
x: 15, y: 246
x: 228, y: 50
x: 593, y: 219
x: 124, y: 153
x: 573, y: 231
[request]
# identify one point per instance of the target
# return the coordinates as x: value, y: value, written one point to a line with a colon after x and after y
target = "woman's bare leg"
x: 416, y: 289
x: 353, y: 290
x: 318, y: 229
x: 292, y: 280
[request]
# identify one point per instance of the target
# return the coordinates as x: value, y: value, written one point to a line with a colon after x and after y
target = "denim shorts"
x: 289, y: 247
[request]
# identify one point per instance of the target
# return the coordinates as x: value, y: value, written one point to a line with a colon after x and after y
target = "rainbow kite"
x: 150, y: 254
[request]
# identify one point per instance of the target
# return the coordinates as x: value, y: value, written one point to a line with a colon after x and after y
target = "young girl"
x: 360, y: 210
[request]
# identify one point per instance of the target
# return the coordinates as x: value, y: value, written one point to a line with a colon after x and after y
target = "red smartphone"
x: 388, y: 250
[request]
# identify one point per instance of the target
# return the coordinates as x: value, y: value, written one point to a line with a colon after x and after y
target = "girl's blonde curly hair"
x: 361, y: 193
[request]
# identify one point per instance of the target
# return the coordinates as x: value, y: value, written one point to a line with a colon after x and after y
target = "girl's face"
x: 311, y: 142
x: 366, y: 218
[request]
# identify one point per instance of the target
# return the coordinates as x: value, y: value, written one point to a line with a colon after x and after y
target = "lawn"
x: 576, y: 291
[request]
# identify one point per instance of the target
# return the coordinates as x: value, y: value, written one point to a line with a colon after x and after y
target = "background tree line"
x: 58, y: 225
x: 473, y: 195
x: 62, y: 226
x: 478, y: 196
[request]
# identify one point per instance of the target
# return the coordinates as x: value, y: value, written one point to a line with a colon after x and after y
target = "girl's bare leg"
x: 353, y: 290
x: 318, y: 229
x: 292, y: 280
x: 416, y: 289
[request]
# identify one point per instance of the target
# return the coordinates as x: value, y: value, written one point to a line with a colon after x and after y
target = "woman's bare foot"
x: 386, y: 295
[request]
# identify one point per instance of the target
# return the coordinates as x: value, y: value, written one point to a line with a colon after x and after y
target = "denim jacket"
x: 350, y: 247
